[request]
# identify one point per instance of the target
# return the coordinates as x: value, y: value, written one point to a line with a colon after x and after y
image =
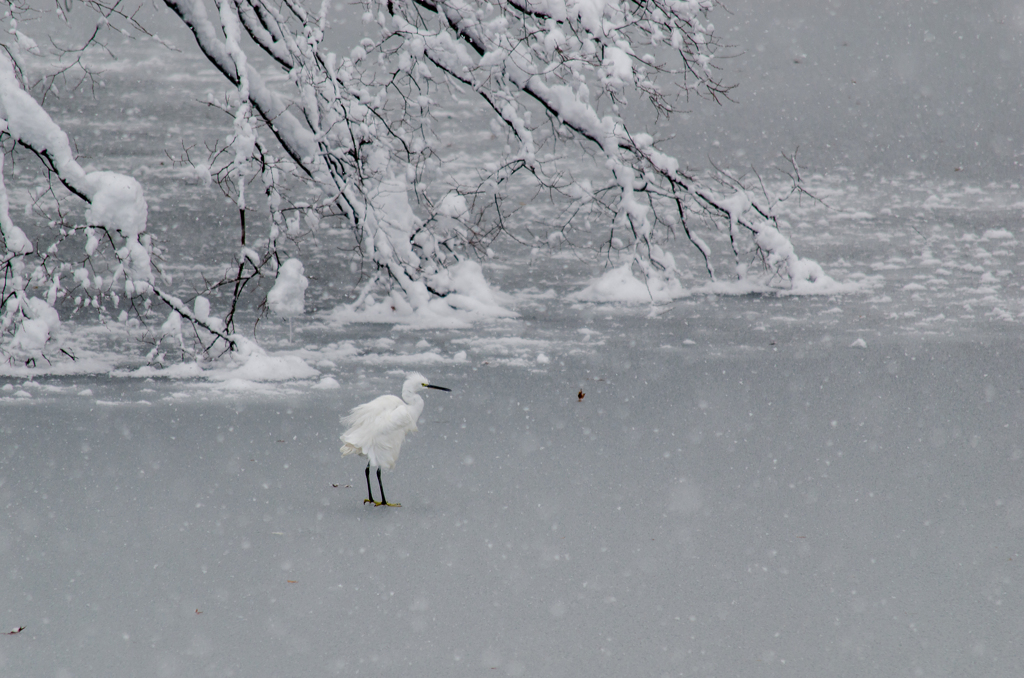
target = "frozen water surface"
x: 751, y: 485
x: 803, y: 508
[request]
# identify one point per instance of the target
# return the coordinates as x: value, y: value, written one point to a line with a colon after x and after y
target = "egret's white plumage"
x: 377, y: 429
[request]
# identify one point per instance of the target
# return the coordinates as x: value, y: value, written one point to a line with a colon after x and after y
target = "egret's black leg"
x: 383, y: 501
x: 368, y: 490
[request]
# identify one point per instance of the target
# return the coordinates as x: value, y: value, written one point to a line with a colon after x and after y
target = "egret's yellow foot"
x: 370, y: 501
x: 386, y: 503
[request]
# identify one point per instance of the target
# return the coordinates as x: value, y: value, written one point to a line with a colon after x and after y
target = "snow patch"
x: 117, y: 203
x: 462, y: 297
x: 619, y: 285
x: 327, y: 383
x: 997, y: 234
x: 41, y: 322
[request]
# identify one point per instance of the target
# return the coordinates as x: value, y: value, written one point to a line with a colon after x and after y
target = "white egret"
x: 377, y: 429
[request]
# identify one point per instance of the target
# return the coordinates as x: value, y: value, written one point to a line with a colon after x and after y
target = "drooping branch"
x: 542, y: 56
x: 358, y: 154
x: 115, y: 202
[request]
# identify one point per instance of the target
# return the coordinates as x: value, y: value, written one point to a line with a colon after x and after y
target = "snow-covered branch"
x: 345, y: 136
x: 578, y: 63
x: 352, y: 139
x: 357, y: 129
x: 116, y: 208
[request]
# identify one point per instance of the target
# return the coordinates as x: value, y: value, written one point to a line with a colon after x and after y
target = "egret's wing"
x: 380, y: 422
x: 402, y: 419
x: 364, y: 416
x: 362, y: 422
x: 387, y: 442
x: 378, y: 430
x: 384, y: 449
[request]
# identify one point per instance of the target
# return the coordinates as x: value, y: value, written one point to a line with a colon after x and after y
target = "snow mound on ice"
x: 247, y: 363
x: 619, y: 285
x: 466, y: 298
x: 251, y: 362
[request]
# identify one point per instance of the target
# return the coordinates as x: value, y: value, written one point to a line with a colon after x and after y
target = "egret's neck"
x: 415, y: 401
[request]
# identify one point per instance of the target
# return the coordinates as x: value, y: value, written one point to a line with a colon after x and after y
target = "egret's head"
x: 415, y: 382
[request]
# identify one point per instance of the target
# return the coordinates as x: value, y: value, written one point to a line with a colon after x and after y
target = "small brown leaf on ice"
x: 292, y: 581
x: 15, y: 631
x: 581, y: 395
x: 198, y: 611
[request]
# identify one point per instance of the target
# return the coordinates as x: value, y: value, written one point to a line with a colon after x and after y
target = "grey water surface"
x: 792, y: 509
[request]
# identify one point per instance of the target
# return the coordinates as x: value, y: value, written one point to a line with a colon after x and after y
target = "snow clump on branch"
x: 577, y: 65
x: 116, y: 204
x: 358, y: 133
x: 287, y: 297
